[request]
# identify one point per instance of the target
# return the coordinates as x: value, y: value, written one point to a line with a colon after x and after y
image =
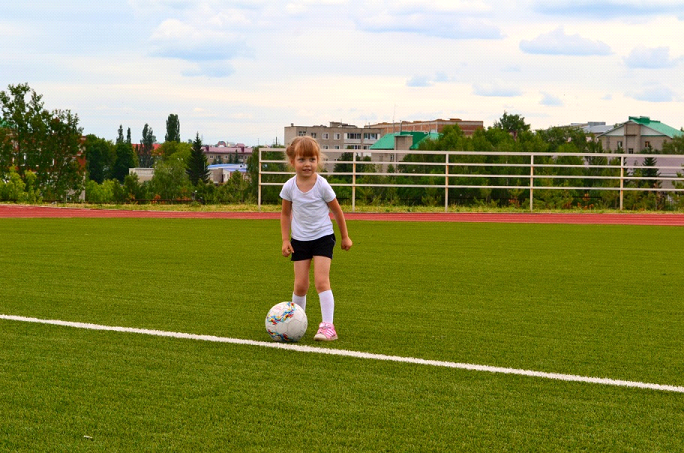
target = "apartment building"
x: 336, y: 138
x: 467, y: 126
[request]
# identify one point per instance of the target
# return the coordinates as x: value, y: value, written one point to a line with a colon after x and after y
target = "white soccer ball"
x: 286, y: 322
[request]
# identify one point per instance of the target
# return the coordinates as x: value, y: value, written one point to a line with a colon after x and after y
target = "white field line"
x: 355, y: 354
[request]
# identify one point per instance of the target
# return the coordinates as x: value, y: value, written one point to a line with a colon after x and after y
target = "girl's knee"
x: 322, y: 284
x: 301, y: 287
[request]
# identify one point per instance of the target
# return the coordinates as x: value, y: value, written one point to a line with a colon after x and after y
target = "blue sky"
x: 241, y: 70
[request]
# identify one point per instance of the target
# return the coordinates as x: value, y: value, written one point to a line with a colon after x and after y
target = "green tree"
x: 513, y: 124
x: 100, y: 157
x: 146, y: 148
x: 120, y: 137
x: 125, y: 159
x: 170, y: 180
x: 650, y: 170
x: 168, y: 149
x: 676, y: 146
x: 46, y: 143
x: 197, y: 164
x: 172, y: 129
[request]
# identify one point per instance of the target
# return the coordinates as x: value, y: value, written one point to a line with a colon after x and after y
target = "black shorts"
x: 305, y: 250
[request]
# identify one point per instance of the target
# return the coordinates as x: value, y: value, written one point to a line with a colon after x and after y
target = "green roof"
x: 656, y: 126
x: 387, y: 141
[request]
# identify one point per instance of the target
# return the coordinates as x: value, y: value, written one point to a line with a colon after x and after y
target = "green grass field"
x: 589, y: 300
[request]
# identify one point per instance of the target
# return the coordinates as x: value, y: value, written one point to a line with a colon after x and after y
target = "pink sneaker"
x: 326, y: 332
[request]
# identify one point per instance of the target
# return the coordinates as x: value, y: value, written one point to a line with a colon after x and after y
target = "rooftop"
x: 387, y: 140
x: 657, y: 126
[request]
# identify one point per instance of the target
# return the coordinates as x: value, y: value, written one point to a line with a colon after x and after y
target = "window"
x: 353, y: 136
x: 313, y: 135
x: 647, y: 144
x: 630, y: 151
x: 301, y: 133
x: 336, y: 147
x: 325, y: 136
x: 338, y: 136
x: 370, y: 136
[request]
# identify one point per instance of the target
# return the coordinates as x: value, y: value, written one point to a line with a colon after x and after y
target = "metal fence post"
x: 446, y: 184
x: 531, y: 182
x: 259, y: 185
x: 622, y: 181
x: 354, y: 182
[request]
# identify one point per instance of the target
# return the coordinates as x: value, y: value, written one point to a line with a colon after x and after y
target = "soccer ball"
x: 286, y: 322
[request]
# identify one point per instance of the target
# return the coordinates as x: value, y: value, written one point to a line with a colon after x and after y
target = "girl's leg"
x: 322, y: 283
x: 301, y: 282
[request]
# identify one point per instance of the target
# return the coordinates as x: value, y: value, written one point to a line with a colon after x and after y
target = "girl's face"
x: 305, y: 166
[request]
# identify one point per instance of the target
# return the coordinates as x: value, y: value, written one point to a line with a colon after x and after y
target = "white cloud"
x: 457, y: 20
x: 176, y: 39
x: 610, y: 9
x: 419, y: 81
x: 495, y: 90
x: 654, y: 93
x: 651, y: 58
x: 557, y: 42
x: 551, y: 100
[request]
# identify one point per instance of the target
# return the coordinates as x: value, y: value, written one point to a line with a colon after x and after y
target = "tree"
x: 100, y: 157
x: 168, y: 149
x: 170, y: 180
x: 676, y: 146
x: 513, y: 124
x: 45, y: 143
x: 197, y: 164
x: 120, y: 137
x: 125, y: 159
x: 650, y: 169
x: 146, y: 148
x: 172, y: 129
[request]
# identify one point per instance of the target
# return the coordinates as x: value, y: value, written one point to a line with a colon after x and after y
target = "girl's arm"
x: 335, y: 208
x: 285, y: 220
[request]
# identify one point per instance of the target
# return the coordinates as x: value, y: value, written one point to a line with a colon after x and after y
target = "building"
x: 336, y: 137
x: 593, y: 127
x: 468, y: 127
x: 400, y: 141
x: 218, y: 174
x: 637, y: 134
x: 224, y: 154
x: 221, y: 173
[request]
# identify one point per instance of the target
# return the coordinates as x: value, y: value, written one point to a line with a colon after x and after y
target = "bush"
x: 13, y: 189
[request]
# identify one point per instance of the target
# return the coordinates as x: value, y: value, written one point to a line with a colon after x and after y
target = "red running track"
x: 30, y: 211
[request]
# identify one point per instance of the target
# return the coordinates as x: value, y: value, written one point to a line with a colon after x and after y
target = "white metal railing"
x: 452, y: 159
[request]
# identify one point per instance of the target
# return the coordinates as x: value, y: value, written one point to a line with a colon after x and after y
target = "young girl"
x: 307, y: 201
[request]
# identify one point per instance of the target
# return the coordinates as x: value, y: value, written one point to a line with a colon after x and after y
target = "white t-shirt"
x: 310, y: 212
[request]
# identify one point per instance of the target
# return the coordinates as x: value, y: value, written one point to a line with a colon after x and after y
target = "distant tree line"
x: 511, y: 134
x: 43, y: 156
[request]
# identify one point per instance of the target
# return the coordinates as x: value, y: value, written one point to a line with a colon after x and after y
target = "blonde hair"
x: 304, y: 147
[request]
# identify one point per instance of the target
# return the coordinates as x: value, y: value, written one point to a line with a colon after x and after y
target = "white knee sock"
x: 327, y: 305
x: 299, y: 300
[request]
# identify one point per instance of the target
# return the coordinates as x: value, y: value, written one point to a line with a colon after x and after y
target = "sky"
x: 240, y: 71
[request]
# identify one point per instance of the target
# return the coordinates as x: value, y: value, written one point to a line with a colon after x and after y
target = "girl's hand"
x: 287, y: 248
x: 346, y: 243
